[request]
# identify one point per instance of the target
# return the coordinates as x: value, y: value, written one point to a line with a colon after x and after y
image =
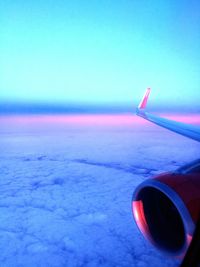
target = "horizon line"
x: 72, y: 108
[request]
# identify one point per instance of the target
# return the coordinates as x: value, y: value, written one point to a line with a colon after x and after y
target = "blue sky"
x: 99, y: 51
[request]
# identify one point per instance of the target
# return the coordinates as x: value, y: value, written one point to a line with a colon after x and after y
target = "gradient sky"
x: 98, y: 51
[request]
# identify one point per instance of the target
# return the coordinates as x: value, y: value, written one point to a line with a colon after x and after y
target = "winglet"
x: 143, y: 103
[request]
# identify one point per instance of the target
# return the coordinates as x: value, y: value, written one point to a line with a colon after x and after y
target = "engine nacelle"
x: 167, y: 208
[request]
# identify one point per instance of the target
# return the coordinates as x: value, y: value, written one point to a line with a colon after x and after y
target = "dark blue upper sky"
x: 97, y: 51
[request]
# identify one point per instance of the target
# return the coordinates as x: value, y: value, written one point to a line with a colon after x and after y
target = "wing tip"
x: 144, y: 100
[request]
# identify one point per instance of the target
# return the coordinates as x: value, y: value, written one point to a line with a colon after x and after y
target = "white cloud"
x: 66, y: 195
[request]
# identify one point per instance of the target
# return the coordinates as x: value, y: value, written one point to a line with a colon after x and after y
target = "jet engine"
x: 167, y: 208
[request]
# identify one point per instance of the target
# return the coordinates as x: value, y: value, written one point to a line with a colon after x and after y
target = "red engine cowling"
x: 166, y: 208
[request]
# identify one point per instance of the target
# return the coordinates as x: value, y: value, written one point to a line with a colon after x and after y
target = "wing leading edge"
x: 187, y: 130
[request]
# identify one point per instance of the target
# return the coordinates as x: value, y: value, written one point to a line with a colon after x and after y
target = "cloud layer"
x: 66, y: 192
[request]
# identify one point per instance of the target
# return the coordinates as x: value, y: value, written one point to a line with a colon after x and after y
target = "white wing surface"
x: 187, y: 130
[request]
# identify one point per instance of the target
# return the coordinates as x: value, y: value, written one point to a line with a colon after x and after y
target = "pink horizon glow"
x: 95, y: 119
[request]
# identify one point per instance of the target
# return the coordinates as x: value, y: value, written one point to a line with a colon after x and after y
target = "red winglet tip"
x: 143, y: 103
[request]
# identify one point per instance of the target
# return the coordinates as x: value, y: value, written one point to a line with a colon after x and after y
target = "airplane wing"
x: 187, y: 130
